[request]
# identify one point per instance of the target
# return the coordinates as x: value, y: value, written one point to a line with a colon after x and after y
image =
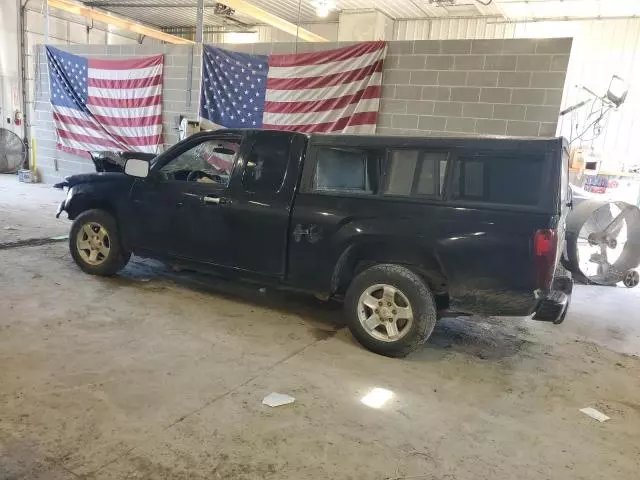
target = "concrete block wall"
x: 446, y: 87
x: 178, y: 98
x: 497, y: 87
x: 500, y: 87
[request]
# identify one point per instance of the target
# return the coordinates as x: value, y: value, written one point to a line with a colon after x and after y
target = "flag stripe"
x: 133, y: 74
x: 125, y: 102
x: 126, y: 113
x: 324, y: 80
x: 117, y: 143
x: 106, y: 104
x: 368, y: 128
x: 323, y: 93
x: 90, y: 139
x: 74, y: 151
x: 322, y: 58
x: 153, y: 120
x: 127, y: 64
x: 321, y: 105
x: 65, y: 120
x: 131, y: 93
x: 109, y: 121
x: 94, y: 147
x: 340, y: 124
x: 309, y: 118
x: 310, y: 71
x: 117, y: 83
x: 76, y: 125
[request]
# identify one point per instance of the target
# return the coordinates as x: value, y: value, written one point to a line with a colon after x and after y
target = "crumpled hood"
x: 90, y: 178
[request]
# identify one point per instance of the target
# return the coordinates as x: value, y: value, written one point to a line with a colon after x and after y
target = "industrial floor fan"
x: 603, y: 243
x: 12, y: 151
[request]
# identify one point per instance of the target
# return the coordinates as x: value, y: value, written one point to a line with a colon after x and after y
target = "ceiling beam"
x: 263, y: 16
x: 145, y: 5
x: 116, y: 21
x: 240, y: 6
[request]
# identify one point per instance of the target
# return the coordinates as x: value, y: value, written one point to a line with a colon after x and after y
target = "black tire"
x: 116, y: 259
x: 417, y: 293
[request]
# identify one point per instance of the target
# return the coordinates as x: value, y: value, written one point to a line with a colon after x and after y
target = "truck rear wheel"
x: 390, y: 310
x: 94, y: 243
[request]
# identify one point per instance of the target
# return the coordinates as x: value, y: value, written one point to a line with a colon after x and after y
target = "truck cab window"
x: 400, y: 171
x: 266, y: 164
x: 510, y: 180
x: 415, y: 172
x: 208, y: 162
x: 346, y: 170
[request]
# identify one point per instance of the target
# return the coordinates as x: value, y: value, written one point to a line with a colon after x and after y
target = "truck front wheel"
x: 390, y: 310
x: 95, y: 246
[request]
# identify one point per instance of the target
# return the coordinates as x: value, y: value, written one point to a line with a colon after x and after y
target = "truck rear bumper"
x: 553, y: 306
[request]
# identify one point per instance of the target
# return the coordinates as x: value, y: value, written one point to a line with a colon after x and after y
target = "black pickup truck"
x: 400, y: 229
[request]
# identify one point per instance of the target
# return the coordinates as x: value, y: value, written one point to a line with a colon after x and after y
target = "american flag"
x: 106, y: 105
x: 331, y: 91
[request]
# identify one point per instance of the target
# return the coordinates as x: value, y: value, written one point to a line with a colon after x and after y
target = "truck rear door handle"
x: 210, y: 199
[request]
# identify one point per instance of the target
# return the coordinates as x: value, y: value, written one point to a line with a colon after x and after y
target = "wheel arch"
x: 82, y: 202
x: 359, y: 256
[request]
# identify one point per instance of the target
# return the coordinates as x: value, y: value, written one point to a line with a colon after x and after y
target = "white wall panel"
x: 268, y: 34
x: 601, y: 48
x: 411, y: 30
x: 10, y: 84
x: 452, y: 29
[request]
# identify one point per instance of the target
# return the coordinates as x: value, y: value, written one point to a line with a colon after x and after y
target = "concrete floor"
x: 154, y: 374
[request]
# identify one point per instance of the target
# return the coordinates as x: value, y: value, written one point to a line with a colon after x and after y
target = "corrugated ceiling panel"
x: 288, y: 9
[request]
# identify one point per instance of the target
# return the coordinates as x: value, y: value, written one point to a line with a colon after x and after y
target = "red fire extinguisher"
x: 17, y: 118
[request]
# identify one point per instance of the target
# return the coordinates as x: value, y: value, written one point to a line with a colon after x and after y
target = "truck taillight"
x: 545, y: 248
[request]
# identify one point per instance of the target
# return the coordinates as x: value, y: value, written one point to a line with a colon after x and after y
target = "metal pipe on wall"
x: 46, y: 21
x: 26, y: 123
x: 199, y: 21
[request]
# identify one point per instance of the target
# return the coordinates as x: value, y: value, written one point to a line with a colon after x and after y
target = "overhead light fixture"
x: 324, y: 7
x: 246, y: 8
x: 115, y: 20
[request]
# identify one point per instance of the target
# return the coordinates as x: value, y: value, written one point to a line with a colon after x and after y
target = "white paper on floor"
x: 276, y: 399
x: 595, y: 414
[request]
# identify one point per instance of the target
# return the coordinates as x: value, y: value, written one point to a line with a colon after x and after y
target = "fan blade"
x: 617, y: 222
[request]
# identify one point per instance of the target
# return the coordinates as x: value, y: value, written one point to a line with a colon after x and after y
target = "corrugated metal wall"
x: 601, y: 48
x: 268, y: 34
x: 452, y: 29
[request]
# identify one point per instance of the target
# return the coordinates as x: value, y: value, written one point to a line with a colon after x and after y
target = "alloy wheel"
x: 385, y: 313
x: 93, y: 243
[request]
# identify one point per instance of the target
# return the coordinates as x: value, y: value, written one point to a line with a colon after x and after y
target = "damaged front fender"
x: 61, y: 208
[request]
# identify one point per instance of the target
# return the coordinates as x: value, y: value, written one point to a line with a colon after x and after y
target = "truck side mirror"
x: 137, y: 168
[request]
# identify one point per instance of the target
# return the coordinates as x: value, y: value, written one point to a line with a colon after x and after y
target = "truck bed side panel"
x: 484, y: 256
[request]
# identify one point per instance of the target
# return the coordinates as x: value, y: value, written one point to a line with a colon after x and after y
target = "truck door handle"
x: 210, y: 199
x: 312, y: 232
